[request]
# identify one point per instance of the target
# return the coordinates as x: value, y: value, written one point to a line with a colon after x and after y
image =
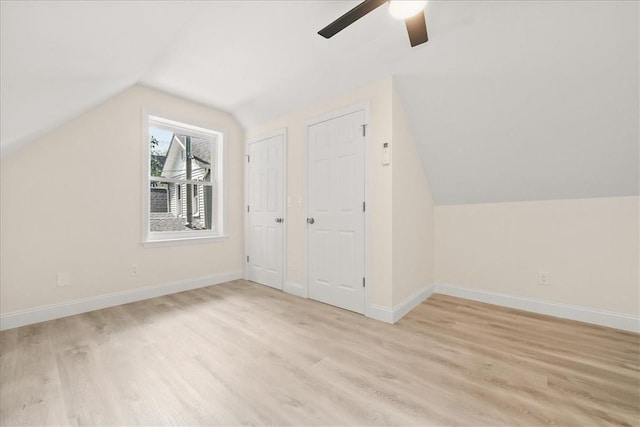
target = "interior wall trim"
x: 610, y: 319
x: 392, y: 315
x: 30, y: 316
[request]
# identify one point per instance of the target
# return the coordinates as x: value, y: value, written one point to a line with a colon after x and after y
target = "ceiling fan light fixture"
x: 403, y: 9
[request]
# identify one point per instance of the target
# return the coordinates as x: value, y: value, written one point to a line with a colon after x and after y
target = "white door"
x: 335, y: 222
x: 265, y: 211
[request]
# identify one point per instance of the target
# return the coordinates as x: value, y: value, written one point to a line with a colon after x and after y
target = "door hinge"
x: 364, y: 206
x: 363, y: 282
x: 248, y: 158
x: 247, y: 258
x: 364, y: 130
x: 248, y: 208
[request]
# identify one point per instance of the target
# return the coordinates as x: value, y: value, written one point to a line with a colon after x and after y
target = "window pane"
x: 185, y: 165
x: 180, y: 207
x: 179, y: 156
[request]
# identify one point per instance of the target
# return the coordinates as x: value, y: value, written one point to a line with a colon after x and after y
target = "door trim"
x: 247, y: 240
x: 363, y: 106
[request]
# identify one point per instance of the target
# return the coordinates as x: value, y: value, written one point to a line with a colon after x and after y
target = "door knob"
x: 310, y: 220
x: 278, y: 219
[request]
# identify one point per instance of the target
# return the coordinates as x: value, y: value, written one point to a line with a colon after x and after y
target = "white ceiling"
x: 508, y: 100
x: 540, y: 103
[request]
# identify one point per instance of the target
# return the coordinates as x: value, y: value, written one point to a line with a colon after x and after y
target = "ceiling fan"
x: 412, y: 11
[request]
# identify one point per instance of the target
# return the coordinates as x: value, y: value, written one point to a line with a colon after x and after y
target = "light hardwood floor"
x: 241, y: 353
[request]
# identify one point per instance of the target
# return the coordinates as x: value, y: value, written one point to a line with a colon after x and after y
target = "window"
x: 184, y: 187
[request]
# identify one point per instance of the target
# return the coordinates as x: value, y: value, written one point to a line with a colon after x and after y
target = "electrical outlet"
x: 134, y: 269
x: 63, y: 279
x: 543, y: 278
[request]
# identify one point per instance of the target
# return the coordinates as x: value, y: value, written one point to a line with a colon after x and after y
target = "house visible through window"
x: 185, y: 181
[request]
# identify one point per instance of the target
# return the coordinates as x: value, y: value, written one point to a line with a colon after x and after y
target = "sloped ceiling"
x: 59, y: 59
x: 255, y: 59
x: 507, y: 101
x: 541, y: 103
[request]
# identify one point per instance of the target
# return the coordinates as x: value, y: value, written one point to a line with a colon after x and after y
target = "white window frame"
x: 218, y: 181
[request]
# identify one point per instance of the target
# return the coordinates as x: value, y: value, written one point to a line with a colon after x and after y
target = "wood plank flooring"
x: 245, y: 354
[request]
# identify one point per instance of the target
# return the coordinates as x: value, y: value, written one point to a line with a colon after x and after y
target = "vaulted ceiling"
x: 507, y: 101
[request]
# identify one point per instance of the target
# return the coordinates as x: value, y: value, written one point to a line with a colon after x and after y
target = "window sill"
x: 183, y: 241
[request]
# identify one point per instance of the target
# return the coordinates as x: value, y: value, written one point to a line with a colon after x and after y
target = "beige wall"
x: 71, y: 203
x: 379, y: 207
x: 589, y: 247
x: 412, y: 212
x: 53, y: 219
x: 401, y: 207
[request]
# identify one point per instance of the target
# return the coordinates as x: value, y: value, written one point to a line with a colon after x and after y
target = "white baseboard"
x: 378, y: 312
x: 294, y: 289
x: 412, y: 302
x: 392, y: 315
x: 16, y: 319
x: 598, y: 317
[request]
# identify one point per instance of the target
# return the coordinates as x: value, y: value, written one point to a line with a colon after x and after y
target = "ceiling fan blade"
x: 350, y: 17
x: 417, y: 29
